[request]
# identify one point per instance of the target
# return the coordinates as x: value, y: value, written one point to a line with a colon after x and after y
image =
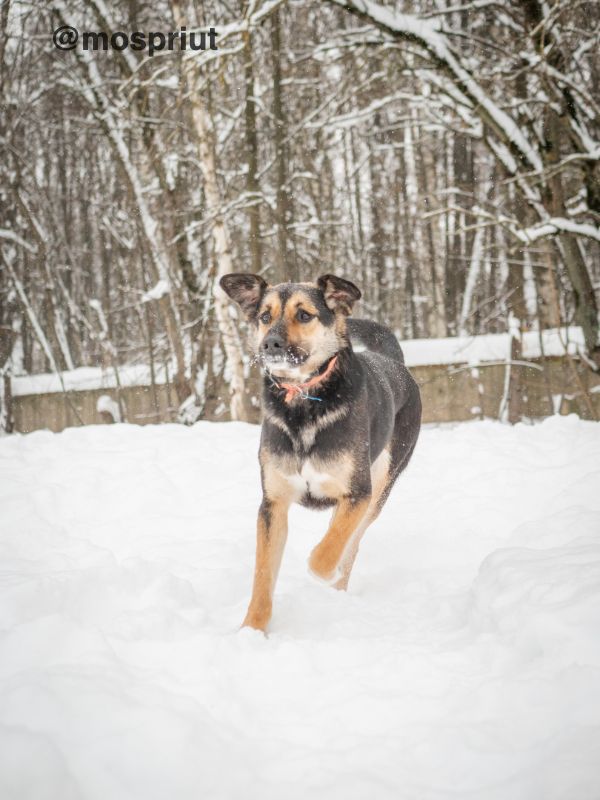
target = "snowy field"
x: 464, y: 662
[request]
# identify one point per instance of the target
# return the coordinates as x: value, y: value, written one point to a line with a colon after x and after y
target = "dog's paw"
x: 254, y: 634
x: 256, y: 623
x: 323, y: 567
x: 257, y: 618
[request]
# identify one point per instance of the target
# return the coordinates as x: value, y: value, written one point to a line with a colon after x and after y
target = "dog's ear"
x: 246, y: 290
x: 339, y: 294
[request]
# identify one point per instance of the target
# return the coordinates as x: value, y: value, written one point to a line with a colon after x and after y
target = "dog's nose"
x: 273, y: 345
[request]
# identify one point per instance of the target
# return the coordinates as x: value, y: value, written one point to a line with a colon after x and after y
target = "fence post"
x: 6, y: 406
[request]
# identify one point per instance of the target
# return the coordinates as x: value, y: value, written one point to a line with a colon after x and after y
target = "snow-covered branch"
x: 430, y: 35
x: 13, y: 237
x: 554, y: 226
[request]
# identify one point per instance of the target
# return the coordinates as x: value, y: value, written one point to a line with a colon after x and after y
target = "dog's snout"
x: 273, y: 344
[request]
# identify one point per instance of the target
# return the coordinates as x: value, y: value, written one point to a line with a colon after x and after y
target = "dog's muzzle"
x: 274, y: 351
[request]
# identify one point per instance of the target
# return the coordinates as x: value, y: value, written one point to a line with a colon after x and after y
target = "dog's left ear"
x: 246, y: 290
x: 340, y: 294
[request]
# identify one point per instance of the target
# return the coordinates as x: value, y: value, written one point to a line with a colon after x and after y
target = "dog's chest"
x: 321, y: 479
x: 312, y: 480
x: 293, y: 465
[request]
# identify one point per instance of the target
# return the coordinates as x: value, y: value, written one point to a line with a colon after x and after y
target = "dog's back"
x: 389, y: 383
x: 368, y: 335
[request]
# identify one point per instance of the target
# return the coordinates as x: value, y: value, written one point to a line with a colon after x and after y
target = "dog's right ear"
x: 246, y: 290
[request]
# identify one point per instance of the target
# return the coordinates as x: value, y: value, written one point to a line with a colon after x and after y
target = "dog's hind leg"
x: 349, y: 556
x: 380, y: 480
x: 271, y: 536
x: 384, y: 472
x: 347, y: 520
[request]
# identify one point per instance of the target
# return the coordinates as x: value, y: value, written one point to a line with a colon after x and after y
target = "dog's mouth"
x: 285, y: 364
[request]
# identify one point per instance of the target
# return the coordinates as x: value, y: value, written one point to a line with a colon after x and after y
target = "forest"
x: 443, y: 155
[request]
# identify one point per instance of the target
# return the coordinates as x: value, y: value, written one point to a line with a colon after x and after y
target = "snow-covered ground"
x: 463, y: 663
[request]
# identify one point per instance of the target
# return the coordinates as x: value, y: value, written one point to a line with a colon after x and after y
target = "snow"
x: 554, y: 225
x: 491, y: 347
x: 86, y: 379
x: 11, y: 236
x: 417, y: 352
x: 159, y: 290
x: 464, y: 662
x: 106, y: 405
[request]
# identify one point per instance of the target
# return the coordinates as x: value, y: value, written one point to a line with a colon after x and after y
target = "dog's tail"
x: 368, y: 335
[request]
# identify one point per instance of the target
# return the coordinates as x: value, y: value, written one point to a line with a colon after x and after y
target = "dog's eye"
x: 265, y: 317
x: 303, y: 316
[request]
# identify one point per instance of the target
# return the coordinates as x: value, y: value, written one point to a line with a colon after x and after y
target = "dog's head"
x: 298, y: 325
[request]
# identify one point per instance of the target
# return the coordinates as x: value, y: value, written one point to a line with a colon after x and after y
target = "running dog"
x: 339, y: 424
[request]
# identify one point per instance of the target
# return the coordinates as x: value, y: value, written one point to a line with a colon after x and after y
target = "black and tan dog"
x: 339, y: 425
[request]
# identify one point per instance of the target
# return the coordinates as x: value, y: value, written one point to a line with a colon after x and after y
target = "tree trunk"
x: 283, y: 271
x: 222, y: 250
x: 252, y: 186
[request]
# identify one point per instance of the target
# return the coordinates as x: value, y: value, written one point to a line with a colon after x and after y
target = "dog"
x: 339, y: 424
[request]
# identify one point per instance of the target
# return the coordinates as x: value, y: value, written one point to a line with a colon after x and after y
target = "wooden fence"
x: 451, y: 393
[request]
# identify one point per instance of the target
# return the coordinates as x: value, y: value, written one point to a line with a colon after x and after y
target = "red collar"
x: 293, y: 389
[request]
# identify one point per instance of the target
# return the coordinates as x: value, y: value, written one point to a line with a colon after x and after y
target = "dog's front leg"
x: 271, y: 535
x: 326, y: 556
